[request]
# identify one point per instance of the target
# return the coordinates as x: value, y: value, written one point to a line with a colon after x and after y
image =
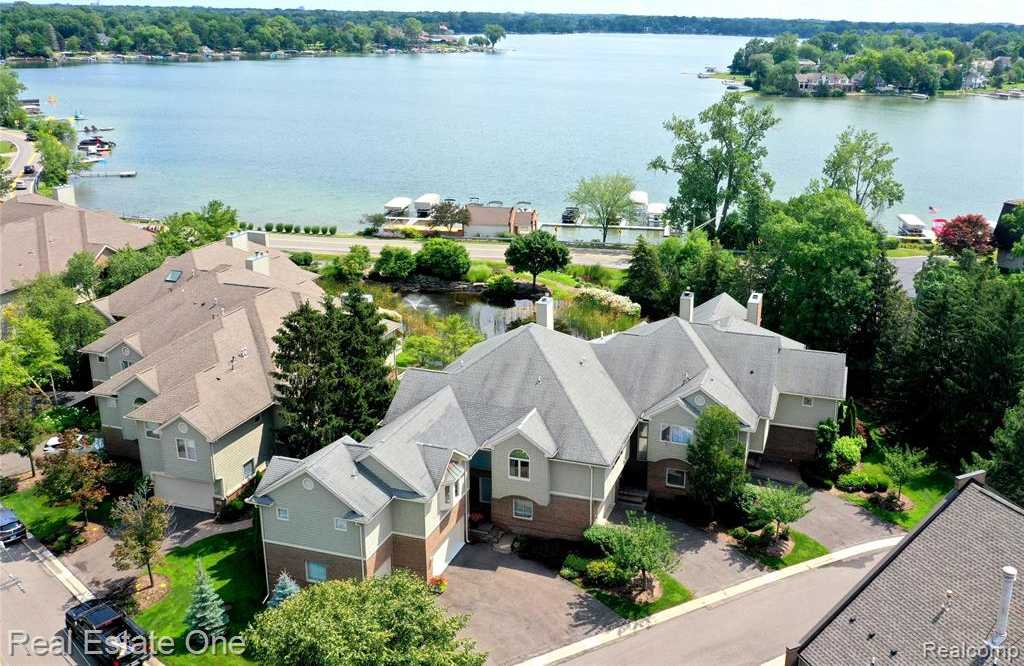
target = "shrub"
x: 8, y: 485
x: 302, y: 258
x: 333, y: 230
x: 121, y: 478
x: 844, y: 455
x: 269, y: 226
x: 850, y: 482
x: 232, y: 511
x: 479, y: 273
x: 411, y: 232
x: 443, y: 259
x: 812, y: 475
x: 604, y: 573
x: 608, y: 300
x: 575, y: 563
x: 394, y: 263
x: 592, y: 273
x: 568, y: 574
x: 739, y: 533
x: 500, y: 288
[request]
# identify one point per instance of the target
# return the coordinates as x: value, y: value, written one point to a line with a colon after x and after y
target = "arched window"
x: 519, y: 465
x: 139, y: 402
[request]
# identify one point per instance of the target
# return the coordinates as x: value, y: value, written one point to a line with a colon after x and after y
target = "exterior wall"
x: 111, y: 365
x: 620, y: 235
x: 408, y: 518
x: 377, y: 531
x: 790, y: 411
x: 151, y: 453
x: 380, y: 559
x: 416, y: 554
x: 659, y: 450
x: 790, y: 444
x: 563, y: 518
x: 570, y: 479
x: 537, y: 488
x: 196, y: 470
x: 310, y: 521
x: 656, y: 478
x: 759, y: 437
x: 449, y: 523
x: 611, y: 476
x: 127, y: 396
x: 250, y: 441
x: 293, y: 560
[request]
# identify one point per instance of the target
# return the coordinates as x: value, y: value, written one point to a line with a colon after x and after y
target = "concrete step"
x: 504, y: 543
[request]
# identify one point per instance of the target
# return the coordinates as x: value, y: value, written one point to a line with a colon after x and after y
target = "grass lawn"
x: 925, y: 493
x: 48, y: 521
x: 908, y: 252
x: 804, y: 548
x: 672, y: 594
x: 233, y: 562
x: 7, y: 147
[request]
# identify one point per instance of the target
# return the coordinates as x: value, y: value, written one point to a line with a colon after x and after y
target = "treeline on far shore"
x: 40, y: 30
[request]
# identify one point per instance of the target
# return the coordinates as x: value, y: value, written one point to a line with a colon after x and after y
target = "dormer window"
x: 519, y: 465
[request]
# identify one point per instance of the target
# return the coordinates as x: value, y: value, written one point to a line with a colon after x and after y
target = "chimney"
x: 238, y: 240
x: 686, y: 306
x: 258, y: 263
x: 546, y: 312
x: 259, y: 237
x: 754, y: 308
x: 998, y: 636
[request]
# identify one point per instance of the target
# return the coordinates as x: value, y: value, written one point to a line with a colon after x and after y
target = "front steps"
x: 631, y: 499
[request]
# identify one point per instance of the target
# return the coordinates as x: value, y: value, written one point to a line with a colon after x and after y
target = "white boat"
x: 912, y: 225
x: 398, y: 206
x: 639, y: 198
x: 918, y: 96
x: 425, y: 203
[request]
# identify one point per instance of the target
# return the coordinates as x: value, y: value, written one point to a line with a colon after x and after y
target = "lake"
x: 325, y: 140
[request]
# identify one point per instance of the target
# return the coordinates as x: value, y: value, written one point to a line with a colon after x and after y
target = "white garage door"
x: 184, y: 493
x: 447, y: 551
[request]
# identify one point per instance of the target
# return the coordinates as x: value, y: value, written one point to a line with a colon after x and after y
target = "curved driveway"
x: 26, y: 155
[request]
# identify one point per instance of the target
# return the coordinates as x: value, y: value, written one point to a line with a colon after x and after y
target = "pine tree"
x: 365, y: 380
x: 284, y: 588
x: 644, y: 281
x: 206, y: 612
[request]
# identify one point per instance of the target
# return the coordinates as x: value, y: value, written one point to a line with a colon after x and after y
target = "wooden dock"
x: 108, y: 174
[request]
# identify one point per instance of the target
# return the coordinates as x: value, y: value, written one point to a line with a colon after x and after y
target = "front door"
x: 634, y: 474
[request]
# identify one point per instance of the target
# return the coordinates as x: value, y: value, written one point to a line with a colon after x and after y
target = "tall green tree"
x: 143, y: 521
x: 718, y: 469
x: 30, y: 353
x: 206, y: 612
x: 643, y: 545
x: 1005, y: 468
x: 864, y: 167
x: 284, y: 587
x: 454, y: 336
x: 536, y: 252
x: 903, y: 465
x: 494, y: 33
x: 82, y: 274
x: 718, y: 156
x: 645, y: 282
x: 183, y: 231
x: 781, y: 505
x: 381, y: 621
x: 449, y: 214
x: 18, y: 425
x: 10, y: 88
x: 605, y: 199
x: 126, y: 266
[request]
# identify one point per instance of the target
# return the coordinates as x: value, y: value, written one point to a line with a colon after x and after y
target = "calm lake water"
x: 322, y: 141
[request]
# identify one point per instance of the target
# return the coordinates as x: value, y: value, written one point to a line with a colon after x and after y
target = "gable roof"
x: 902, y: 604
x: 490, y: 216
x: 39, y: 235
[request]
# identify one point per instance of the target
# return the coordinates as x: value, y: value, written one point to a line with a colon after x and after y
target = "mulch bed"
x: 146, y: 595
x: 92, y: 532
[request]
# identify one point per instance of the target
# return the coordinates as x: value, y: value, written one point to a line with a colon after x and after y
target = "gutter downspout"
x: 362, y: 549
x: 590, y: 502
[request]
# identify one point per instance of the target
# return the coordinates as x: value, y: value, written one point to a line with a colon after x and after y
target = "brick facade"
x: 380, y: 557
x: 293, y: 560
x: 790, y: 444
x: 656, y: 478
x: 562, y: 518
x: 416, y: 554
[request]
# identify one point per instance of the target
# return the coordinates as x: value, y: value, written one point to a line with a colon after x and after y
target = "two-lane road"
x: 26, y: 155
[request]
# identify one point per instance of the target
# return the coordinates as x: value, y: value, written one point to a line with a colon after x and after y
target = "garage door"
x: 184, y: 493
x: 451, y: 546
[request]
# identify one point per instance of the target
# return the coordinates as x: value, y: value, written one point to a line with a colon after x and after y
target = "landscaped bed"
x: 234, y: 565
x: 57, y: 526
x: 618, y: 598
x: 923, y: 493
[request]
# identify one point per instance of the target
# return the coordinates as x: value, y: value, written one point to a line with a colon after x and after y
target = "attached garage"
x: 184, y: 493
x: 449, y: 548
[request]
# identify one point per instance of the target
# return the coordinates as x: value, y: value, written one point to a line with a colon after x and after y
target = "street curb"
x: 630, y: 628
x: 57, y: 569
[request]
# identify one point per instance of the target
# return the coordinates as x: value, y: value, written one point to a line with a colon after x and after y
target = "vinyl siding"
x: 198, y: 470
x: 126, y: 397
x: 791, y: 412
x: 151, y: 453
x: 611, y: 476
x: 572, y: 479
x: 249, y: 441
x: 539, y: 485
x: 659, y: 450
x: 408, y: 517
x: 759, y: 436
x: 310, y: 521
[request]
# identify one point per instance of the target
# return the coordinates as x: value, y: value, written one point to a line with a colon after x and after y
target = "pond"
x: 489, y: 318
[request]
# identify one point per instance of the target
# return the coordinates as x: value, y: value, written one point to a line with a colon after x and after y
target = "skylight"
x: 173, y: 276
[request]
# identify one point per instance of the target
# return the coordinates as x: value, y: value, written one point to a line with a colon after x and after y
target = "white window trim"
x: 517, y: 517
x: 806, y: 401
x: 315, y: 580
x: 343, y: 524
x: 251, y: 461
x: 101, y: 358
x: 278, y: 514
x: 669, y: 426
x: 151, y: 433
x: 675, y: 485
x: 448, y: 494
x: 186, y: 442
x: 519, y: 466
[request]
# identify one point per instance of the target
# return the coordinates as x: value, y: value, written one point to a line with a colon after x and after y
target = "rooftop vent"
x: 999, y: 632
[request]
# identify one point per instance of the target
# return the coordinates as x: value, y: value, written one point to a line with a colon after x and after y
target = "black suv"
x: 107, y: 635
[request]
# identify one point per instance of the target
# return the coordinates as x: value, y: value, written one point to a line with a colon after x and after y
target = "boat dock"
x: 108, y: 174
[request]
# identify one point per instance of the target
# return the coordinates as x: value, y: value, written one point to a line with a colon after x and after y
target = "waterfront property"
x: 537, y: 431
x: 1006, y: 238
x: 809, y: 82
x: 38, y: 235
x: 491, y: 221
x: 944, y: 594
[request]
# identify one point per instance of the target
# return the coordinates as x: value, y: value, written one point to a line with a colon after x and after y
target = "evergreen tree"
x: 1006, y: 467
x: 717, y: 466
x: 365, y: 382
x: 206, y: 611
x: 644, y: 283
x: 284, y: 588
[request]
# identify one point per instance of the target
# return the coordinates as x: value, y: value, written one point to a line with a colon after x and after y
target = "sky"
x: 958, y: 11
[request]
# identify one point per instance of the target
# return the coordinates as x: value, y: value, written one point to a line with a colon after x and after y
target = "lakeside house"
x: 975, y: 79
x: 538, y: 431
x: 1004, y: 238
x: 492, y: 221
x: 38, y: 235
x: 943, y: 595
x: 809, y: 82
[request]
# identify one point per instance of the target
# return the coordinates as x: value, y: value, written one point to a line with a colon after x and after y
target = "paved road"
x: 26, y: 155
x: 747, y: 630
x: 485, y: 251
x: 906, y: 269
x: 35, y: 607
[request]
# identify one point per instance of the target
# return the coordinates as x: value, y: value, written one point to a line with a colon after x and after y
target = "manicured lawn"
x: 6, y: 147
x: 804, y: 548
x: 233, y: 562
x: 43, y: 520
x: 908, y: 252
x: 925, y: 493
x: 673, y: 593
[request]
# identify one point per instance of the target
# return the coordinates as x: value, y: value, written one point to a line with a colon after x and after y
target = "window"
x: 485, y: 489
x: 151, y: 431
x: 341, y: 524
x: 673, y: 434
x: 316, y: 572
x: 675, y: 478
x: 807, y: 402
x: 125, y: 364
x: 249, y: 469
x: 448, y: 494
x: 101, y: 359
x: 522, y: 509
x: 186, y: 448
x: 282, y: 513
x: 519, y: 465
x: 139, y: 402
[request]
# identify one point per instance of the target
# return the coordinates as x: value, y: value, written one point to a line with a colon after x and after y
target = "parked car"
x: 52, y: 445
x: 30, y: 136
x: 106, y: 634
x: 29, y: 170
x: 12, y: 530
x: 21, y: 185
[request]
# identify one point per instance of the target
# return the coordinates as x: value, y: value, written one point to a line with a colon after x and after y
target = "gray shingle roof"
x: 961, y: 548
